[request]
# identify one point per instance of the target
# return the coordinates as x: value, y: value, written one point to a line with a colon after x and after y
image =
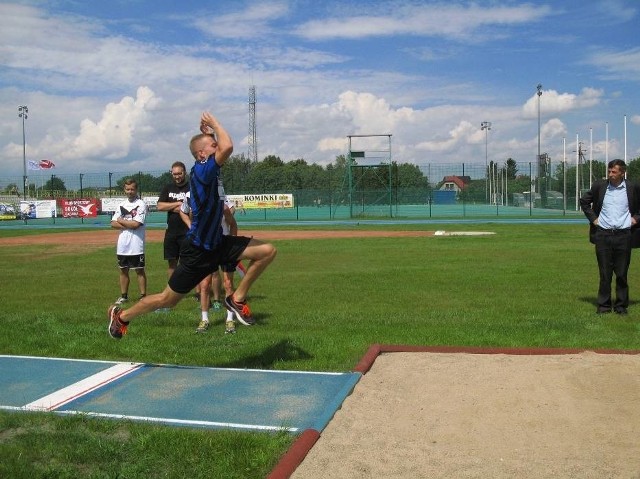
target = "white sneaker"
x: 202, y: 327
x: 121, y: 300
x: 230, y: 327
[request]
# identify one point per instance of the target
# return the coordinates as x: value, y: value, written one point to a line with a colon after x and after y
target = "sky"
x: 120, y: 85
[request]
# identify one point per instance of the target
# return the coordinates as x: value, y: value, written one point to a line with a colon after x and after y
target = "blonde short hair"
x: 193, y: 144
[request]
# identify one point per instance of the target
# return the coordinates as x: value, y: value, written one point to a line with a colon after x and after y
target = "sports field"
x: 319, y: 307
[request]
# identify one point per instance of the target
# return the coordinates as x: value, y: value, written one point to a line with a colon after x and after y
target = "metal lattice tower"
x: 252, y: 138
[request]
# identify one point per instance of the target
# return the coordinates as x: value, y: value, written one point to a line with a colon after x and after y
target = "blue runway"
x: 241, y: 399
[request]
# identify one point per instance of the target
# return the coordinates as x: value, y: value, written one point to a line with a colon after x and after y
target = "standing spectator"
x: 171, y: 198
x: 612, y: 207
x: 129, y: 219
x: 229, y: 227
x: 205, y: 247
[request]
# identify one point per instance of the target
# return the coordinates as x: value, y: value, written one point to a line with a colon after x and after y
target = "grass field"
x: 319, y: 307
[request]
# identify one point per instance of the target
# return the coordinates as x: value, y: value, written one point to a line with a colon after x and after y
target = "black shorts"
x: 196, y: 263
x: 135, y: 261
x: 172, y: 243
x: 229, y: 267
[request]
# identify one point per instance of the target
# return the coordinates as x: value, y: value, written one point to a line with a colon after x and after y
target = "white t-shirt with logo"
x: 186, y: 209
x: 131, y: 241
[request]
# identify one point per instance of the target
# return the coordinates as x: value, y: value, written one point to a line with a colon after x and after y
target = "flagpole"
x: 22, y: 113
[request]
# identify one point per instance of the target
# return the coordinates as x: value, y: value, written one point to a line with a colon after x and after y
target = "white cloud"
x: 250, y: 23
x: 552, y: 129
x: 430, y: 20
x: 109, y: 138
x: 464, y: 132
x: 620, y: 65
x: 552, y: 102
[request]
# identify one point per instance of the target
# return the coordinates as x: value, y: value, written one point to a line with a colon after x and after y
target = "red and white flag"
x: 41, y: 165
x: 46, y: 164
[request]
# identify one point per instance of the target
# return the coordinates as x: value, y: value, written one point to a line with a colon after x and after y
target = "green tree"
x: 11, y: 189
x: 511, y: 169
x: 409, y: 175
x: 633, y: 169
x: 55, y: 184
x: 234, y: 173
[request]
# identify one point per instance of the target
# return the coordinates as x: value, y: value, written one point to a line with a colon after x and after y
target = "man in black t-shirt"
x: 170, y: 200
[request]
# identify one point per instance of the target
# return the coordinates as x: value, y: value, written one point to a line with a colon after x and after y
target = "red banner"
x: 85, y: 208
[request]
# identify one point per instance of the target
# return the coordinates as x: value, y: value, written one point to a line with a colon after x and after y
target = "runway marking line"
x: 74, y: 391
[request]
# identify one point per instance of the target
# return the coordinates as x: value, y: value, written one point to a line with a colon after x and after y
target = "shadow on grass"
x: 592, y: 300
x: 284, y: 350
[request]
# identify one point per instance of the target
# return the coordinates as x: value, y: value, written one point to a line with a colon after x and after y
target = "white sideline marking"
x: 462, y: 233
x: 73, y: 391
x: 184, y: 422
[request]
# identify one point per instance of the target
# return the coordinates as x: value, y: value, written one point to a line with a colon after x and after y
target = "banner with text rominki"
x: 266, y: 200
x: 81, y: 208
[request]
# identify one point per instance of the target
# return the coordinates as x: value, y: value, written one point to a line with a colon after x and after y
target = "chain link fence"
x: 446, y: 190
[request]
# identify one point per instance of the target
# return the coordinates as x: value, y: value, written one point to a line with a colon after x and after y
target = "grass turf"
x: 319, y: 307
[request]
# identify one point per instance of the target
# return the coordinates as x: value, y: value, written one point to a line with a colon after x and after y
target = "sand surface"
x: 445, y: 415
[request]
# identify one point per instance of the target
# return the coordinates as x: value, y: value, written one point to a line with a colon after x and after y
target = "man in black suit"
x: 613, y: 209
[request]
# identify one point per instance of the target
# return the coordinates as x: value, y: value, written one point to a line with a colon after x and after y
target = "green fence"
x: 443, y: 191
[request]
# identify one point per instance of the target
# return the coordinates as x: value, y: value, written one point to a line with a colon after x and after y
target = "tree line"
x: 406, y: 181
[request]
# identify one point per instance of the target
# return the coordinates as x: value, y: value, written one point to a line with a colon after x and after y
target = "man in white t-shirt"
x: 129, y: 219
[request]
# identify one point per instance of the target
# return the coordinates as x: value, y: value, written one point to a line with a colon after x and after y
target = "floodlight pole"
x: 23, y: 113
x: 539, y: 88
x: 486, y: 126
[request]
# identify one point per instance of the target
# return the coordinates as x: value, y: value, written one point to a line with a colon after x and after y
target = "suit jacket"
x: 591, y: 204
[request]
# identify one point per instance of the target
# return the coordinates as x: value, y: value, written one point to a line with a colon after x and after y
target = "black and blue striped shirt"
x: 206, y: 207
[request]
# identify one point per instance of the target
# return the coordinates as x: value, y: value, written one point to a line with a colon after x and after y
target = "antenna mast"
x: 253, y: 140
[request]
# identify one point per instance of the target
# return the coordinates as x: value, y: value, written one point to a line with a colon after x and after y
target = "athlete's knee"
x: 170, y: 298
x: 268, y: 252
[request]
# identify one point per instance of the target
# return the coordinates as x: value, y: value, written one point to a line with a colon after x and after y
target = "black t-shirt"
x: 170, y: 194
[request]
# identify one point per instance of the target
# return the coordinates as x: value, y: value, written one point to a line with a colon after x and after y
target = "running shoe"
x: 240, y: 310
x: 230, y: 327
x: 202, y: 327
x: 121, y: 300
x: 117, y: 327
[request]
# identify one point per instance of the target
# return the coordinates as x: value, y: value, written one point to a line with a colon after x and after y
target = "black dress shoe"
x: 621, y: 310
x: 603, y: 311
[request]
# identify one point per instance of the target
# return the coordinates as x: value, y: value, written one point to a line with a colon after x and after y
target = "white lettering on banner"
x: 79, y: 208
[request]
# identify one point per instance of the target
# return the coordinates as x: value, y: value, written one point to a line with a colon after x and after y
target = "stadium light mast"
x: 539, y: 88
x: 486, y: 126
x: 23, y: 113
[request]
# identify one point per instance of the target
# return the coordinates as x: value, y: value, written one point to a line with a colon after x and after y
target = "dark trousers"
x: 613, y: 252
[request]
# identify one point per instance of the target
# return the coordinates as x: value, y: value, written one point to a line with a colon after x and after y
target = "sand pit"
x: 426, y: 415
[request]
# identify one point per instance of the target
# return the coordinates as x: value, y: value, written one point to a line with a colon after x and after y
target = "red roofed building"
x: 455, y: 183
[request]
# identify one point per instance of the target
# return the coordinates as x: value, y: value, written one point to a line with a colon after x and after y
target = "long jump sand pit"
x: 468, y: 415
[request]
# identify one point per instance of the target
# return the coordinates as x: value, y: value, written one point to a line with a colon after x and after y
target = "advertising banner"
x: 7, y: 212
x: 82, y: 208
x: 267, y: 200
x: 38, y: 209
x: 110, y: 205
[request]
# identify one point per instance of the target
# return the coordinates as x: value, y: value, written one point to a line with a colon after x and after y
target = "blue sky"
x: 119, y: 85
